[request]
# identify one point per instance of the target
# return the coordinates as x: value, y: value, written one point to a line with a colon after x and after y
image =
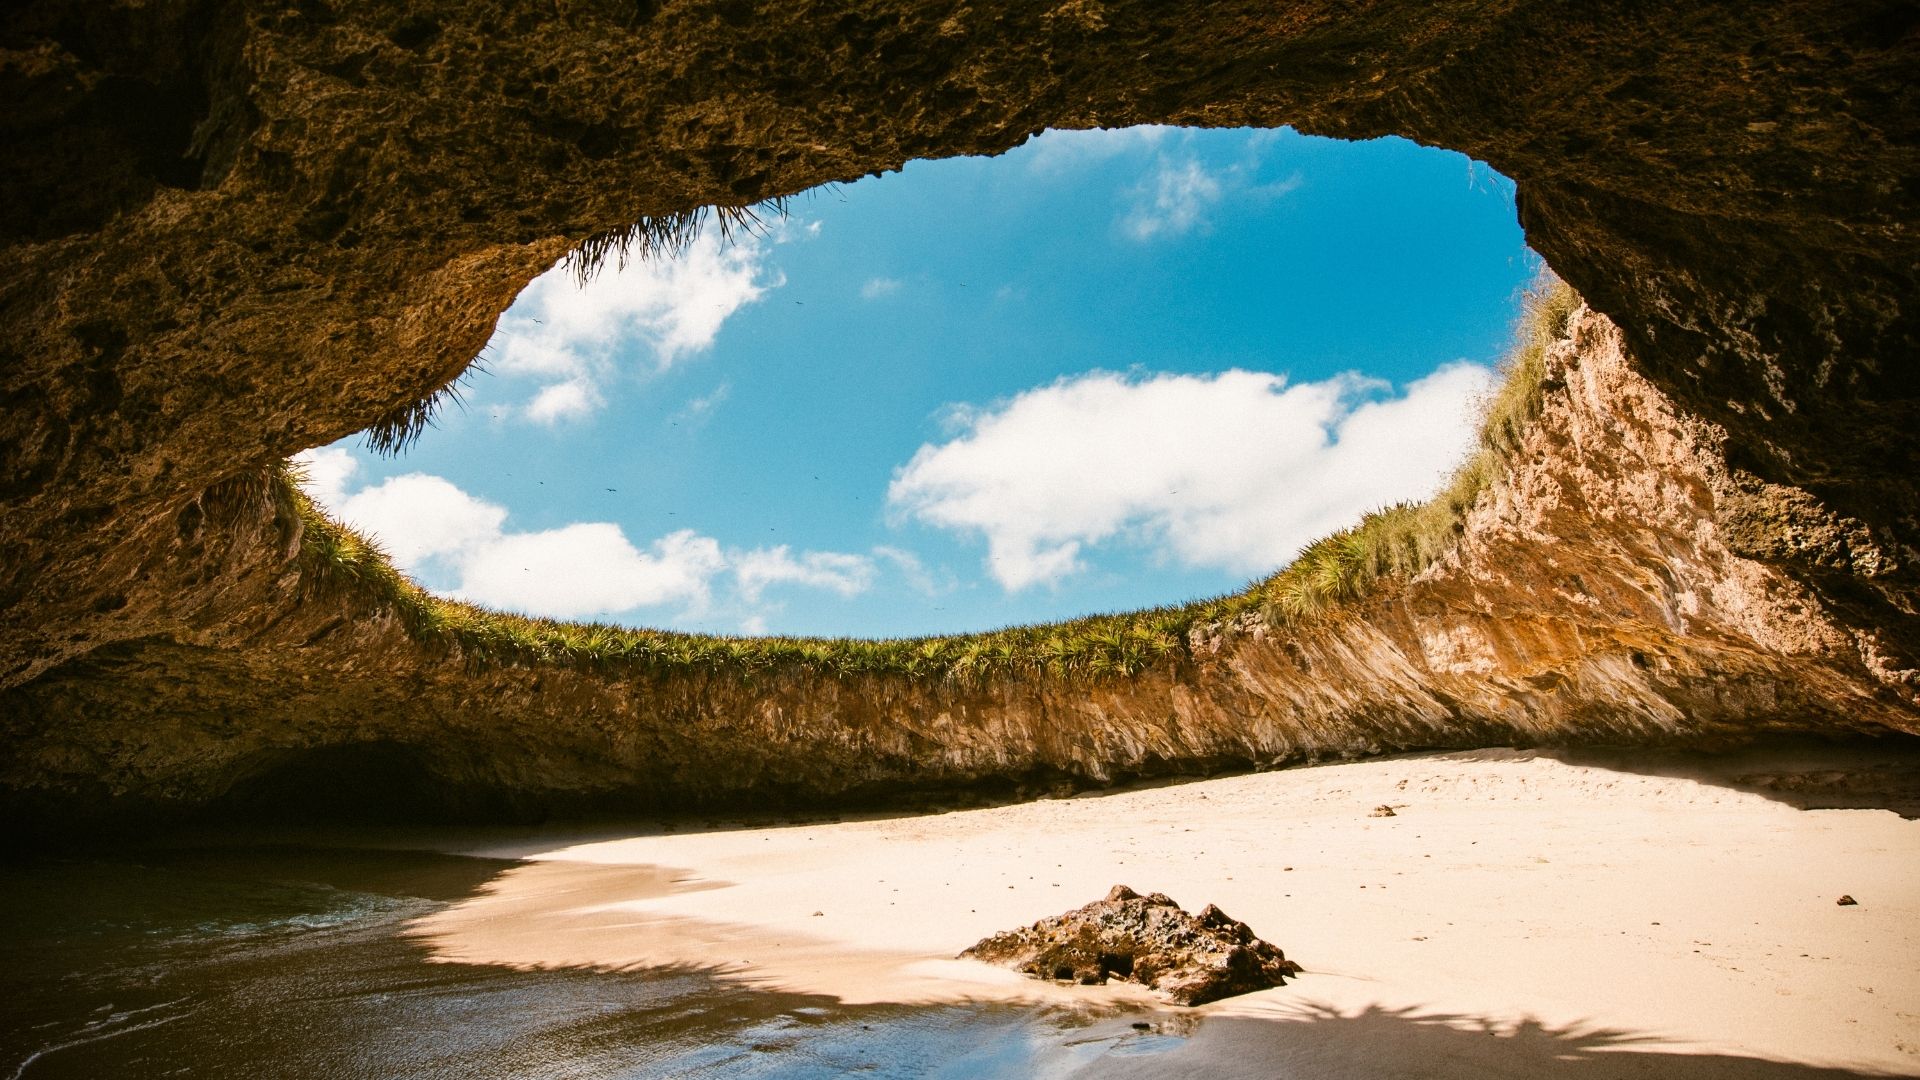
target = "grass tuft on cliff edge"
x: 1387, y: 546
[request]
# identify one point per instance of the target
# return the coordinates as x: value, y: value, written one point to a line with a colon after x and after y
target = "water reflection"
x: 287, y: 963
x: 295, y: 963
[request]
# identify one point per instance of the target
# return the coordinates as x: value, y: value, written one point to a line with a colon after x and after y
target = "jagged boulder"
x: 1192, y: 959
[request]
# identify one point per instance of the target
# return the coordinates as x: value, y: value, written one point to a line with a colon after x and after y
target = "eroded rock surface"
x: 236, y: 230
x: 1591, y: 599
x: 1192, y: 959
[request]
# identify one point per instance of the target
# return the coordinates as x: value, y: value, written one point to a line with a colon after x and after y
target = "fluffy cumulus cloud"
x: 563, y: 401
x: 438, y: 532
x: 1236, y: 470
x: 326, y: 472
x: 590, y: 568
x: 571, y: 340
x: 417, y: 517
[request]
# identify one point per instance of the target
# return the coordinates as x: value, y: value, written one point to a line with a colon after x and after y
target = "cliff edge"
x: 1590, y: 597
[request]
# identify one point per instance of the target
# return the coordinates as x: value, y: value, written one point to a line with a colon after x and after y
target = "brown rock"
x: 281, y: 689
x: 1145, y: 939
x: 1847, y: 901
x: 318, y: 212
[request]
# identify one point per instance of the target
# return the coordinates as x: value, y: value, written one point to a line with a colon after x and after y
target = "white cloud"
x: 563, y: 401
x: 434, y: 529
x: 848, y: 575
x: 573, y: 338
x: 1173, y: 202
x: 917, y: 576
x: 589, y: 568
x: 327, y: 469
x: 697, y: 410
x: 1058, y: 151
x: 875, y: 288
x: 1236, y: 470
x: 1275, y: 189
x: 1178, y: 191
x: 417, y: 517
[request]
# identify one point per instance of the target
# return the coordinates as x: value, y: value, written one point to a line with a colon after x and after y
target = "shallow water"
x: 311, y: 960
x: 292, y: 962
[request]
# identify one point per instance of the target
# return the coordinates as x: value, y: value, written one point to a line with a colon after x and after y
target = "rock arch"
x: 238, y: 229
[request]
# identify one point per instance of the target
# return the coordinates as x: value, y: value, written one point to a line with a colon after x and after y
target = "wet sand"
x: 282, y: 962
x: 1517, y: 913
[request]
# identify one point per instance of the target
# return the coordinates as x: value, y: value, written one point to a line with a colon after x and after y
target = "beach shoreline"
x: 1626, y: 901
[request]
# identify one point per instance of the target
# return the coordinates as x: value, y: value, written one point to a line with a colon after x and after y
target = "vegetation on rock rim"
x: 1387, y: 546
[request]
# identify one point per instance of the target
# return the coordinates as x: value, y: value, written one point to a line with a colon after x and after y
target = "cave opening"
x: 1105, y: 371
x: 367, y: 783
x: 1737, y: 198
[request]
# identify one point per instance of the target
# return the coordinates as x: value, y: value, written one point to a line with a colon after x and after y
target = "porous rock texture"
x: 234, y: 230
x: 1192, y: 959
x: 1591, y: 599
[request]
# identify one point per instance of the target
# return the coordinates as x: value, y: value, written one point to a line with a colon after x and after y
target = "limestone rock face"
x: 1192, y: 959
x: 235, y: 230
x: 1592, y: 598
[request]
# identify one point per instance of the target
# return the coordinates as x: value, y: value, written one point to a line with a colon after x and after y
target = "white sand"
x: 1541, y: 900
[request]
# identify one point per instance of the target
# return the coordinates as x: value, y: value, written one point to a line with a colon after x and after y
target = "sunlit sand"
x: 1610, y: 907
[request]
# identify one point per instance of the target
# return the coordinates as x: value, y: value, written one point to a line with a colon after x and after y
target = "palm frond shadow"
x: 1409, y: 1042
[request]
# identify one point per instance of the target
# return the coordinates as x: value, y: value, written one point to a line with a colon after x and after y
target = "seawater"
x: 268, y: 962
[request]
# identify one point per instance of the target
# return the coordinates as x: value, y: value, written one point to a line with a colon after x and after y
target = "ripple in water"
x: 282, y: 962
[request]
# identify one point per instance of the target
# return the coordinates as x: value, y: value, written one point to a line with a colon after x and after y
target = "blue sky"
x: 1105, y: 370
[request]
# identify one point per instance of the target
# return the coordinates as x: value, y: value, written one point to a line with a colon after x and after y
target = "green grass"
x: 1385, y: 548
x: 661, y: 236
x: 666, y: 235
x: 393, y: 433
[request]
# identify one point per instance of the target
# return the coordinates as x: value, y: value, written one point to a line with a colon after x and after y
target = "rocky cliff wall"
x: 235, y: 229
x: 1592, y: 599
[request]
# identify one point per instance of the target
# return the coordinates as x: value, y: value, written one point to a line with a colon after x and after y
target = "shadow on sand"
x: 271, y: 963
x: 1378, y: 1042
x: 1803, y: 772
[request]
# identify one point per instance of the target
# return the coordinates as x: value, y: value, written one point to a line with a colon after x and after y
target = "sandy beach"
x: 1519, y: 914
